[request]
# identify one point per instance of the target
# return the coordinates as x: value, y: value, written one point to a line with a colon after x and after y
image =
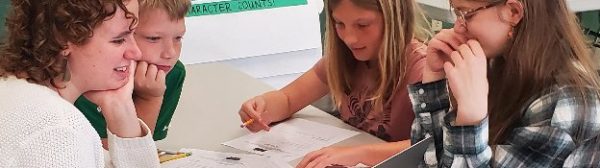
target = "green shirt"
x: 174, y: 84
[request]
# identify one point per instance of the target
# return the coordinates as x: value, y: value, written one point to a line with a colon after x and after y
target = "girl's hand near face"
x: 467, y: 77
x: 438, y: 52
x: 118, y: 108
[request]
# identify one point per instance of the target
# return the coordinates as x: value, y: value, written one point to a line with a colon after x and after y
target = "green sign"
x: 234, y: 6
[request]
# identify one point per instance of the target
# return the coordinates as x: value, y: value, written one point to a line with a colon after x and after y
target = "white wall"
x: 273, y: 45
x: 279, y: 69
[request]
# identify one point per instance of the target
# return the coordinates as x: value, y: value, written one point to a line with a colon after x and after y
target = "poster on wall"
x: 219, y: 30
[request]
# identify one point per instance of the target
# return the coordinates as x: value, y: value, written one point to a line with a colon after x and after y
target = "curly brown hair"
x: 39, y: 30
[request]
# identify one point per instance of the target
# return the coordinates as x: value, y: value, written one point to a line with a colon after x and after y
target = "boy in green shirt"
x: 159, y: 75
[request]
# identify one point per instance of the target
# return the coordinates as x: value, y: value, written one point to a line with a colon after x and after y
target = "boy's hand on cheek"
x: 149, y: 81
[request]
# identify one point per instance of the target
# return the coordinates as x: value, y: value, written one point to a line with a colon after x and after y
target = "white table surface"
x: 207, y: 114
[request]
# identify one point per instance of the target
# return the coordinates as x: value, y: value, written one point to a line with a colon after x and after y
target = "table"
x: 207, y: 114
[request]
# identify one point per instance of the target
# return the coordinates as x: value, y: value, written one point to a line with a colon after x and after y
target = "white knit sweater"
x: 38, y: 128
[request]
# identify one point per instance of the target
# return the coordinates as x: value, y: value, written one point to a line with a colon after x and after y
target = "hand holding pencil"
x: 250, y: 121
x: 251, y: 114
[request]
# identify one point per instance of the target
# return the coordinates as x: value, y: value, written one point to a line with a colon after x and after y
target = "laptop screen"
x: 410, y: 157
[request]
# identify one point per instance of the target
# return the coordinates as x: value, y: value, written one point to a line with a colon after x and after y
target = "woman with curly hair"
x: 56, y: 51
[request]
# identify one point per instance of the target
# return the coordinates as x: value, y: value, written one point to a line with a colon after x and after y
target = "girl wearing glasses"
x: 511, y: 85
x: 372, y: 52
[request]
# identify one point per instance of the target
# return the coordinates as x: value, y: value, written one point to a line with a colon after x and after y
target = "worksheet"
x: 210, y: 159
x: 291, y: 139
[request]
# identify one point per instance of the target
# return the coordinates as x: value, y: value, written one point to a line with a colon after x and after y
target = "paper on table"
x: 291, y: 139
x: 210, y: 159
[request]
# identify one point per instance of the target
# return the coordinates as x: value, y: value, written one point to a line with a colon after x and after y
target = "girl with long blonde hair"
x: 373, y: 50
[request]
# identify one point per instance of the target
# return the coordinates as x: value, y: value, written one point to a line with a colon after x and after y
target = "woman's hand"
x: 118, y: 108
x: 105, y: 98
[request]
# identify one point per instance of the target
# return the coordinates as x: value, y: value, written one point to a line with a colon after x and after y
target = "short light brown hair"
x: 176, y: 9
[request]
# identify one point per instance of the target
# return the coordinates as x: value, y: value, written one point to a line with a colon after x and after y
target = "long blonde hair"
x: 548, y: 49
x: 403, y: 22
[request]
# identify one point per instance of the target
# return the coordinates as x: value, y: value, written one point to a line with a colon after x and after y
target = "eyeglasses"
x: 466, y: 14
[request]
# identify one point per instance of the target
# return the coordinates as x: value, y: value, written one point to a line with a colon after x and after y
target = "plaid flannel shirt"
x: 555, y: 131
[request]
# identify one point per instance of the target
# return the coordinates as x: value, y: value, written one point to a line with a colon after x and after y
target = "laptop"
x: 410, y: 157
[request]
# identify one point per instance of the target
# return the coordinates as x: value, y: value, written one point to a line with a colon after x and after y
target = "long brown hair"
x: 39, y: 30
x: 548, y: 49
x: 403, y: 22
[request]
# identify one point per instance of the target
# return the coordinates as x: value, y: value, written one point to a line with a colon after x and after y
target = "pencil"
x: 250, y: 121
x: 173, y: 157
